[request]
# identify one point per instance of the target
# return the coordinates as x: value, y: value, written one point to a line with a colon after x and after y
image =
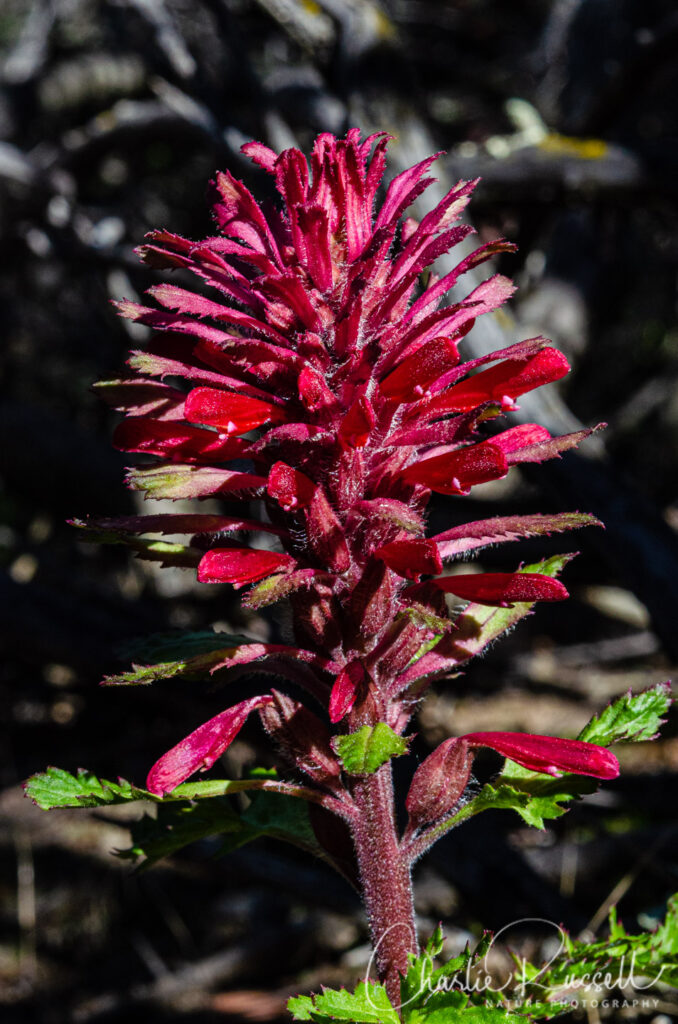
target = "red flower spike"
x: 502, y: 383
x: 230, y: 413
x: 413, y: 376
x: 411, y: 558
x: 241, y: 566
x: 503, y: 588
x: 306, y: 327
x: 457, y: 472
x: 290, y: 488
x: 199, y: 750
x: 549, y: 754
x: 346, y: 690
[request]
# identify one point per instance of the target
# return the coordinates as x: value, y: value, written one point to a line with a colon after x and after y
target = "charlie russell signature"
x: 524, y: 981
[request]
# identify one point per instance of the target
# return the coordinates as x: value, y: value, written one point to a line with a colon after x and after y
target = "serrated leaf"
x: 369, y: 1004
x: 439, y: 1013
x: 180, y: 645
x: 362, y: 752
x: 652, y: 956
x: 198, y: 653
x: 178, y: 824
x: 145, y: 675
x: 634, y: 717
x: 283, y: 818
x: 301, y: 1007
x: 56, y: 787
x: 500, y: 529
x: 148, y: 549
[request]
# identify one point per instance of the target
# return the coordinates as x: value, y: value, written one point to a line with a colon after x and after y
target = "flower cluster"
x: 326, y: 384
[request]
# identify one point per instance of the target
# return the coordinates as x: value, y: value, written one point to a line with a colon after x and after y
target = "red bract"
x: 318, y: 342
x: 549, y: 754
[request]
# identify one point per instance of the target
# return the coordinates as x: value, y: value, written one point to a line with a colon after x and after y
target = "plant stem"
x: 385, y: 877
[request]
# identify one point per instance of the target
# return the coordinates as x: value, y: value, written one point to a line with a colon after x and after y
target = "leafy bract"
x: 192, y: 811
x: 537, y: 797
x: 500, y: 529
x: 633, y: 717
x: 180, y: 654
x: 362, y: 752
x: 177, y: 824
x: 180, y: 645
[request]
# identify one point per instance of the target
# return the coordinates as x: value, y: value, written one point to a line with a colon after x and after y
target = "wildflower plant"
x: 317, y: 375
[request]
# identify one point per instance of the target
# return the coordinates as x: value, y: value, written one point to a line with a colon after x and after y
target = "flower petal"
x: 231, y: 413
x: 456, y: 472
x: 503, y: 588
x: 201, y: 748
x: 346, y: 690
x: 240, y: 566
x: 412, y: 377
x: 411, y: 558
x: 502, y: 383
x: 290, y: 488
x: 549, y: 754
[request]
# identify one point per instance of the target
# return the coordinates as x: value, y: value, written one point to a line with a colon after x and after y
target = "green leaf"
x: 181, y: 645
x: 369, y: 1004
x: 145, y: 675
x: 438, y: 996
x: 58, y: 788
x: 198, y: 654
x: 653, y: 956
x: 178, y: 824
x: 282, y: 817
x: 443, y: 1011
x: 301, y: 1007
x: 194, y: 810
x: 362, y: 752
x: 634, y: 716
x: 149, y: 549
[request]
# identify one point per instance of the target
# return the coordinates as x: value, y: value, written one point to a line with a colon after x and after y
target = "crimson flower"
x: 323, y: 381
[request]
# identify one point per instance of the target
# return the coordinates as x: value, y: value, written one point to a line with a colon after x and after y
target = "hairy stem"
x: 385, y: 877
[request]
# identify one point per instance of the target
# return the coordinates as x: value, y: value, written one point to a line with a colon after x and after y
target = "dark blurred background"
x: 113, y: 116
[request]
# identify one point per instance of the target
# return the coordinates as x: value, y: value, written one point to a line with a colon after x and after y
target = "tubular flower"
x: 549, y: 754
x: 322, y: 365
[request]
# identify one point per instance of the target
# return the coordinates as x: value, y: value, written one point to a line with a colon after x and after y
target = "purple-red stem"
x: 385, y: 877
